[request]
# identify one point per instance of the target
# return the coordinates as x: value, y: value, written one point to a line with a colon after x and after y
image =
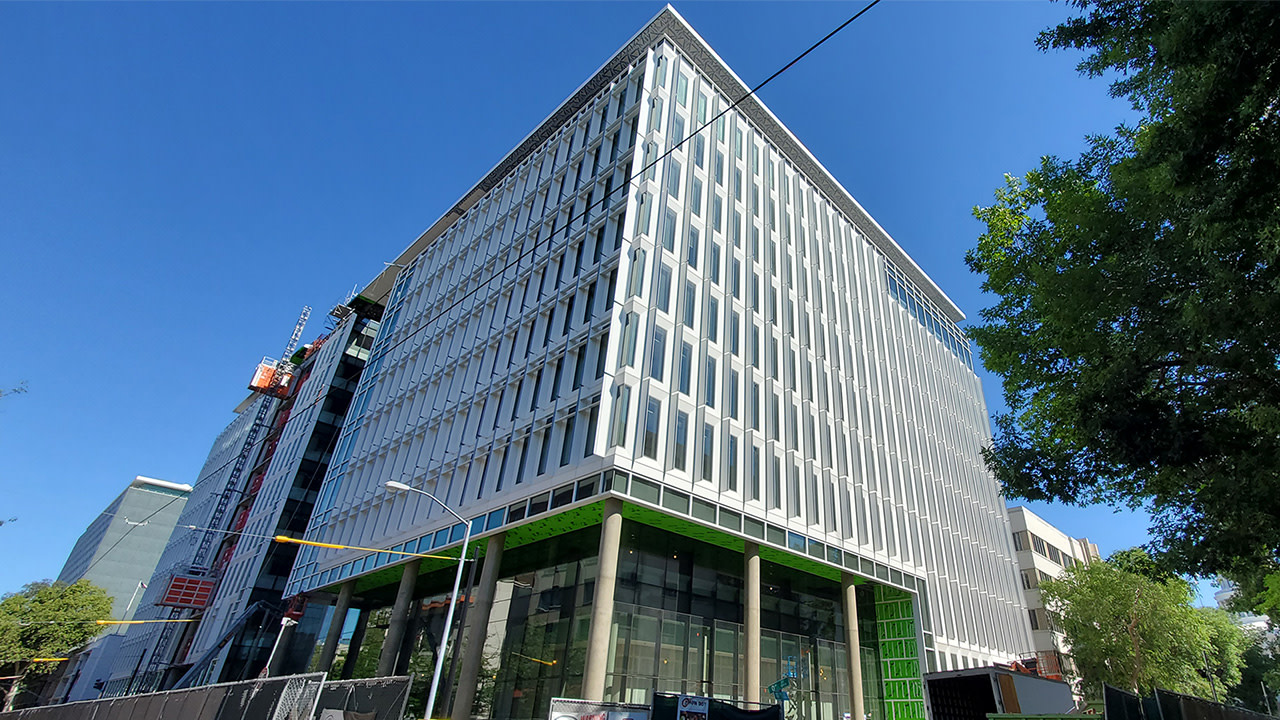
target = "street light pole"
x: 457, y: 582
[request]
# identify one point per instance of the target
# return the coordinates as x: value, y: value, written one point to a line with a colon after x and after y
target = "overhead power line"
x: 498, y: 273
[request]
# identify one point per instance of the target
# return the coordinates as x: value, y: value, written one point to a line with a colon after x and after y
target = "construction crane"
x: 272, y: 381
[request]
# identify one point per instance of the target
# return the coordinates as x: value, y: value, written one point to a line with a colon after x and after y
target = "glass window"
x: 710, y: 383
x: 682, y: 89
x: 699, y: 148
x: 734, y: 323
x: 680, y: 448
x: 620, y: 408
x: 635, y: 283
x: 673, y: 177
x: 658, y: 353
x: 695, y: 197
x: 643, y: 212
x: 708, y: 451
x: 731, y: 481
x: 719, y: 167
x: 732, y: 392
x: 653, y: 414
x: 793, y: 501
x: 755, y: 405
x: 677, y: 129
x: 714, y: 253
x: 775, y: 482
x: 754, y: 487
x: 691, y: 254
x: 668, y: 229
x: 690, y: 303
x: 627, y: 352
x: 686, y: 366
x: 662, y: 294
x: 712, y: 321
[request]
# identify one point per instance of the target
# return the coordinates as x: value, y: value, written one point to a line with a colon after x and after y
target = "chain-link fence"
x: 279, y: 698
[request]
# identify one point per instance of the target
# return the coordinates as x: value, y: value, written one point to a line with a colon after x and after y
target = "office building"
x: 709, y: 424
x: 120, y: 548
x: 277, y: 500
x: 147, y: 652
x: 118, y: 552
x: 1044, y: 552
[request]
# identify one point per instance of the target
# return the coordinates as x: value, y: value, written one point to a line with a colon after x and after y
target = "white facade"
x: 730, y: 326
x: 1044, y: 552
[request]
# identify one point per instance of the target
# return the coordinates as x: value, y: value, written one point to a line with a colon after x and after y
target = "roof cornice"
x: 671, y: 25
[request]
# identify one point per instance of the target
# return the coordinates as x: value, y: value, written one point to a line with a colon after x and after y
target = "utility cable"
x: 635, y: 181
x: 639, y: 178
x: 604, y: 200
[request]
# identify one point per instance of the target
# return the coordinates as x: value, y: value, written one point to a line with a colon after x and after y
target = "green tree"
x: 1139, y: 562
x: 1259, y: 674
x: 1133, y: 632
x: 46, y: 620
x: 1223, y: 654
x: 1137, y: 322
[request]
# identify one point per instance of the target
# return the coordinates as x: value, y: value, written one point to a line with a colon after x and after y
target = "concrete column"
x: 848, y: 591
x: 353, y: 647
x: 478, y: 630
x: 340, y: 608
x: 597, y: 661
x: 751, y: 586
x: 399, y: 619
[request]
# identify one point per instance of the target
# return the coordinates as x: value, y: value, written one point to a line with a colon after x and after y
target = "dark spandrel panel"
x: 817, y: 549
x: 674, y: 500
x: 775, y: 535
x: 562, y: 496
x: 730, y: 520
x: 587, y: 488
x: 539, y: 504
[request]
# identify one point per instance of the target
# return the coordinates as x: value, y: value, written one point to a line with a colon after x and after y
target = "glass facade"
x: 677, y: 628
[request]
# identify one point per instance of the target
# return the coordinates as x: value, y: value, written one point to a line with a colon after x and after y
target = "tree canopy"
x: 1137, y: 322
x: 47, y: 620
x: 1133, y: 632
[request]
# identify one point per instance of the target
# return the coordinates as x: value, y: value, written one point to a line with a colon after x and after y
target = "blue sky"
x: 178, y: 179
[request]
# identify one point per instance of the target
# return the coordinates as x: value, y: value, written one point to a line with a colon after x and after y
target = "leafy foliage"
x: 1133, y: 632
x: 1137, y: 327
x: 1260, y: 669
x: 1139, y: 562
x: 47, y: 620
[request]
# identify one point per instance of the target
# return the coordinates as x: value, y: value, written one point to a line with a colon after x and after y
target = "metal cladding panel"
x: 186, y: 591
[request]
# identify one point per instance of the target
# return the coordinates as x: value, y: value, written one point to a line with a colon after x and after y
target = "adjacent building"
x: 278, y: 499
x: 1222, y: 598
x: 222, y: 573
x: 1044, y: 552
x: 118, y: 552
x: 146, y: 655
x: 710, y: 426
x: 120, y: 548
